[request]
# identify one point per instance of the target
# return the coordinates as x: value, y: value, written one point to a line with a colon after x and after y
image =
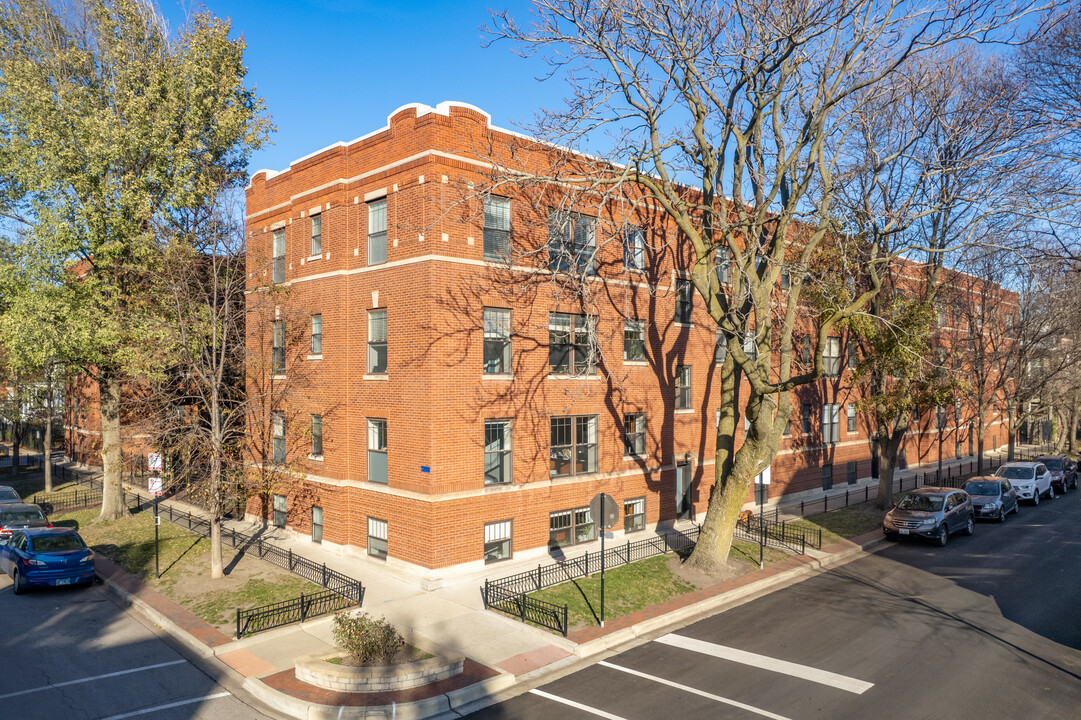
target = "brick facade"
x: 434, y: 395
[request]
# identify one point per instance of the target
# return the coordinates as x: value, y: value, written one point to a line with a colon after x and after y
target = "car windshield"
x: 57, y: 543
x: 924, y: 503
x: 13, y: 516
x: 1015, y: 473
x: 982, y: 488
x: 9, y: 496
x: 1053, y: 464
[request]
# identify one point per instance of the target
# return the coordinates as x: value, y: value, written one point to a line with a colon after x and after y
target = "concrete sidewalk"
x: 507, y: 656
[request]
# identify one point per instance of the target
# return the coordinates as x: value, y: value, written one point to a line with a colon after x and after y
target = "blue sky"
x: 333, y: 70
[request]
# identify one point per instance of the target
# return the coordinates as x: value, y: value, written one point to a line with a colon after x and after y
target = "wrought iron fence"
x: 289, y: 611
x: 530, y: 609
x: 318, y: 573
x: 778, y: 533
x: 68, y: 500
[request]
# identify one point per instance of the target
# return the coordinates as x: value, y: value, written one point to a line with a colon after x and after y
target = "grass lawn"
x: 844, y: 523
x: 185, y: 566
x: 641, y: 584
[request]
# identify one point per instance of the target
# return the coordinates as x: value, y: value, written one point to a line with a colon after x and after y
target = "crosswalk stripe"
x: 823, y: 677
x: 578, y: 705
x: 696, y: 691
x: 178, y: 703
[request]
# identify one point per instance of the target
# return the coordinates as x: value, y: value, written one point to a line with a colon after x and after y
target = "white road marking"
x: 178, y: 703
x: 823, y: 677
x: 50, y: 686
x: 580, y: 706
x: 696, y: 691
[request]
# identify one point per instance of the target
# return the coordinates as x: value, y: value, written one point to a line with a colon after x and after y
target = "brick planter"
x: 315, y: 670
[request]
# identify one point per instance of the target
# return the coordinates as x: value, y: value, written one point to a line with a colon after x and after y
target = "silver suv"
x: 1031, y: 480
x: 931, y: 512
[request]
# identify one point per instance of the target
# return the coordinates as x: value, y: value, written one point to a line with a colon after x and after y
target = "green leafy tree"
x: 108, y: 124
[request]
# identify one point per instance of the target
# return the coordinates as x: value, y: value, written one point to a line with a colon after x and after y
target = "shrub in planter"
x: 365, y: 638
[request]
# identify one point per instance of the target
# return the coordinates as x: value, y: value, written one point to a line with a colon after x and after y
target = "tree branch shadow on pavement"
x: 181, y: 555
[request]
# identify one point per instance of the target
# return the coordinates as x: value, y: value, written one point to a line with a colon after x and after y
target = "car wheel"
x: 1036, y: 497
x: 18, y: 580
x: 943, y: 536
x: 970, y: 527
x: 1050, y: 492
x: 1002, y: 514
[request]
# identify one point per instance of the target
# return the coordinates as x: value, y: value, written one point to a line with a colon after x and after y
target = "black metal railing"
x: 310, y: 570
x: 530, y: 609
x: 769, y: 530
x: 287, y: 612
x: 67, y: 500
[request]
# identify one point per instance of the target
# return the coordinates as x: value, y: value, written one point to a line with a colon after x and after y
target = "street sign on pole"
x: 605, y: 514
x: 153, y: 486
x: 153, y: 462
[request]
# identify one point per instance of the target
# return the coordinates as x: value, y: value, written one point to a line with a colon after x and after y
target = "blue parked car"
x: 46, y: 557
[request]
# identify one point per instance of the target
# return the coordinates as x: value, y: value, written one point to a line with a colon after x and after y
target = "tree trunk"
x: 16, y: 442
x: 216, y: 568
x: 1012, y: 433
x: 112, y: 492
x: 47, y: 450
x: 888, y: 449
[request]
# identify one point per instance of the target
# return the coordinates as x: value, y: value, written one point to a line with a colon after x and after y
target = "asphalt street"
x: 987, y: 627
x: 73, y: 653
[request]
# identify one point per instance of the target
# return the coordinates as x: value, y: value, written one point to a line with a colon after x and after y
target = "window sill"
x: 277, y: 376
x: 683, y: 325
x: 684, y: 411
x: 315, y: 458
x: 316, y: 357
x: 497, y: 376
x: 557, y: 376
x: 629, y: 458
x: 313, y: 258
x: 641, y: 363
x: 376, y: 377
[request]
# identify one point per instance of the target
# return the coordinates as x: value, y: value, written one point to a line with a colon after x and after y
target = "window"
x: 940, y: 416
x: 684, y: 300
x: 377, y: 232
x: 832, y: 356
x: 497, y: 245
x: 852, y: 472
x: 570, y: 527
x: 806, y: 418
x: 851, y: 411
x: 853, y: 356
x: 317, y: 235
x: 786, y: 279
x: 941, y: 315
x: 827, y: 477
x: 957, y: 411
x: 317, y: 435
x: 570, y: 347
x: 831, y: 415
x: 634, y: 340
x: 377, y: 538
x: 278, y: 518
x: 722, y: 259
x: 277, y: 360
x: 634, y: 248
x: 750, y: 346
x: 496, y: 340
x: 377, y: 341
x: 497, y: 541
x: 317, y: 524
x: 787, y: 427
x: 720, y: 349
x: 277, y: 434
x: 317, y: 334
x: 278, y: 266
x: 634, y: 515
x: 377, y: 451
x: 805, y: 351
x: 574, y: 445
x: 683, y: 387
x: 570, y: 242
x: 634, y: 438
x: 497, y: 452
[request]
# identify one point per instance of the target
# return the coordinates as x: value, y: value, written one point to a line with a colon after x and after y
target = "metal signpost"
x: 154, y: 464
x: 762, y: 482
x: 605, y: 513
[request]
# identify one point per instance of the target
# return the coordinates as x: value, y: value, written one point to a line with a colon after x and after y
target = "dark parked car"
x: 20, y: 515
x: 931, y: 512
x: 992, y: 497
x: 1063, y: 472
x: 46, y: 557
x: 8, y: 495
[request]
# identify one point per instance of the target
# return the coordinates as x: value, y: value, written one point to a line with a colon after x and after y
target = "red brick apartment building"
x: 439, y: 412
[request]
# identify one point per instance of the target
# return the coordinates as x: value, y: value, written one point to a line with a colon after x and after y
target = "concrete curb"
x: 447, y: 705
x: 130, y: 600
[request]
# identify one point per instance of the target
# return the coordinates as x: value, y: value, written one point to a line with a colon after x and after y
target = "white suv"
x: 1029, y: 479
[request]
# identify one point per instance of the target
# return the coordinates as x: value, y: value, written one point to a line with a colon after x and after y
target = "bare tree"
x: 738, y: 99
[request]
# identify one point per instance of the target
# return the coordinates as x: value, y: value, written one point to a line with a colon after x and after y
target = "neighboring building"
x: 438, y: 411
